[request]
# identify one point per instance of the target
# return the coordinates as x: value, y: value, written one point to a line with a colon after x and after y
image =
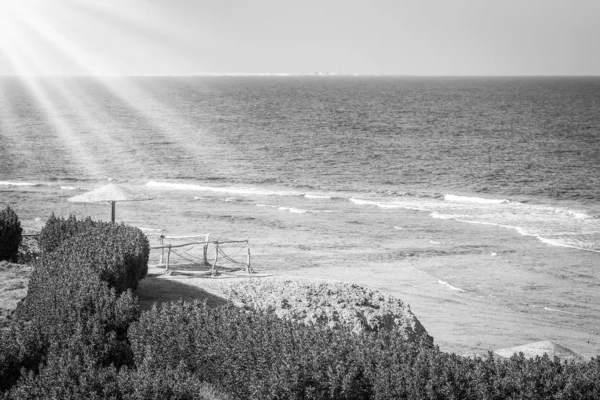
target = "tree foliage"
x: 10, y: 235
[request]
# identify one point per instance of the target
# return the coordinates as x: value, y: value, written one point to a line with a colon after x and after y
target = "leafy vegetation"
x: 10, y: 235
x: 80, y: 334
x: 259, y: 356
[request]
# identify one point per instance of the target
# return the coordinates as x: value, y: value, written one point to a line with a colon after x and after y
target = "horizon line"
x: 316, y: 74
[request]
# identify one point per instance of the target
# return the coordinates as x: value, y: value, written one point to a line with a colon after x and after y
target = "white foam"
x: 386, y: 205
x: 555, y: 242
x: 445, y: 216
x: 229, y: 190
x: 562, y: 211
x: 150, y: 229
x: 399, y: 228
x: 379, y: 204
x: 266, y: 205
x: 449, y: 286
x: 364, y: 202
x: 316, y: 196
x: 8, y: 183
x: 560, y: 311
x: 293, y: 210
x: 478, y: 200
x: 68, y: 188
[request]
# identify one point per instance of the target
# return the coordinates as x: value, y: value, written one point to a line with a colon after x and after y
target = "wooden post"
x: 168, y: 258
x: 248, y: 268
x: 112, y: 211
x: 162, y: 250
x: 206, y: 250
x: 213, y: 271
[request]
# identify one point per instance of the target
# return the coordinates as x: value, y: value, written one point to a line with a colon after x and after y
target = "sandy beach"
x: 475, y: 288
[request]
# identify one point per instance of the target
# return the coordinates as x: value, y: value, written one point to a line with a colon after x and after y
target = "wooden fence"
x: 167, y: 249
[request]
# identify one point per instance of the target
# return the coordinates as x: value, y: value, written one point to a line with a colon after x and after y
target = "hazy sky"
x: 422, y: 37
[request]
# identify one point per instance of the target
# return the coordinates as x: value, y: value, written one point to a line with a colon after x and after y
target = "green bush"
x: 68, y: 299
x: 68, y: 375
x: 79, y: 297
x: 23, y: 345
x: 10, y: 235
x: 57, y: 230
x: 251, y: 356
x: 258, y: 356
x: 79, y: 334
x: 117, y: 253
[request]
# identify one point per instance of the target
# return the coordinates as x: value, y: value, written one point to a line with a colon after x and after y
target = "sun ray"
x: 170, y: 124
x: 28, y: 66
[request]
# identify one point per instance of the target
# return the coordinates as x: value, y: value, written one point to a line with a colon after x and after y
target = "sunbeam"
x: 169, y: 123
x: 22, y: 57
x: 30, y: 28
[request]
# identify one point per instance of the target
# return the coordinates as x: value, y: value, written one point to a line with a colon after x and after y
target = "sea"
x: 323, y: 172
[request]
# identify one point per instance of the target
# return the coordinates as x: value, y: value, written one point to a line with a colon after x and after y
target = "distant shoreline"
x: 307, y: 74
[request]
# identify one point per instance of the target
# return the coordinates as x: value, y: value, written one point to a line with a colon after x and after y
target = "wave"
x: 150, y: 229
x: 383, y: 204
x: 561, y: 211
x: 317, y: 196
x: 449, y: 286
x: 266, y: 205
x: 521, y: 230
x: 9, y: 183
x: 559, y: 311
x: 551, y: 225
x: 294, y: 210
x: 558, y: 242
x: 478, y: 200
x: 68, y: 188
x: 228, y: 190
x: 288, y: 209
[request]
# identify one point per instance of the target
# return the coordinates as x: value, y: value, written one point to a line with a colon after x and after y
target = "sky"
x: 397, y: 37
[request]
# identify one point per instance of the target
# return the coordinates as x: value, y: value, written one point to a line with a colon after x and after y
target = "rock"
x: 331, y: 304
x: 535, y: 349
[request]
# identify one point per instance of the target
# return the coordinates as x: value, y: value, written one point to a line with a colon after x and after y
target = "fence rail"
x: 218, y: 249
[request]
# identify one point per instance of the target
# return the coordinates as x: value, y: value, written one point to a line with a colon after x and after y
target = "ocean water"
x: 328, y: 165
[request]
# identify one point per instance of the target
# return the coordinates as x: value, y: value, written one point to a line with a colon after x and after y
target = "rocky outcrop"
x: 538, y: 349
x: 332, y: 304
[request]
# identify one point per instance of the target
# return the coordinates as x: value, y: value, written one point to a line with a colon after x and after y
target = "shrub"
x: 21, y: 346
x: 71, y: 305
x: 80, y: 300
x: 258, y: 356
x: 252, y: 356
x: 10, y: 235
x: 57, y: 230
x: 68, y: 375
x: 117, y: 253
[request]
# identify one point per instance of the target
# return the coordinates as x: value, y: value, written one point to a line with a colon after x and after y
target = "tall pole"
x: 113, y: 211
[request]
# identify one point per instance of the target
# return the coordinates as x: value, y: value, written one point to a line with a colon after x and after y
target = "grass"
x: 14, y: 279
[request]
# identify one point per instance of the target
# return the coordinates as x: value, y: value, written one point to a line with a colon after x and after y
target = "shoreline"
x: 474, y: 287
x: 459, y: 287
